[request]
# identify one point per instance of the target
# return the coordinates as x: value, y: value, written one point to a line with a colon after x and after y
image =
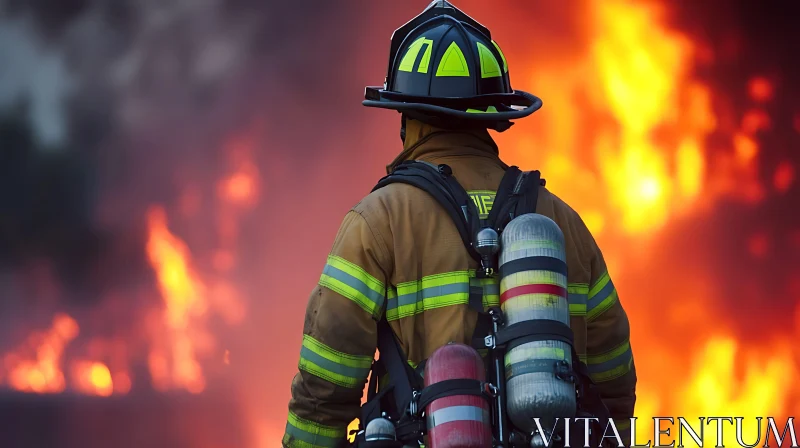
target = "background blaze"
x: 681, y: 159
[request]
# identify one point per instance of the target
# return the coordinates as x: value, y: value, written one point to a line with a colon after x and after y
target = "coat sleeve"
x: 339, y: 338
x: 609, y: 356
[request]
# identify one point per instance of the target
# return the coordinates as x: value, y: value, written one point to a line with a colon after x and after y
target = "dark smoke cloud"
x: 104, y: 100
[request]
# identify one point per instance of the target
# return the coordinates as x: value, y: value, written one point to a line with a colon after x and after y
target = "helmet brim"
x: 404, y: 103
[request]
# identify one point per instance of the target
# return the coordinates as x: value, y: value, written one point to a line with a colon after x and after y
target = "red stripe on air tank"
x: 533, y: 289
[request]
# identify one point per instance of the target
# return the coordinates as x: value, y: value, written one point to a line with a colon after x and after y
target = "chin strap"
x: 403, y: 128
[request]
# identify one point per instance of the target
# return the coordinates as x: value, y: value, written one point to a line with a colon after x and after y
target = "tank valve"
x: 487, y: 244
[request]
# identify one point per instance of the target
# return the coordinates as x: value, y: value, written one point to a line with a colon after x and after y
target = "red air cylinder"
x: 457, y: 421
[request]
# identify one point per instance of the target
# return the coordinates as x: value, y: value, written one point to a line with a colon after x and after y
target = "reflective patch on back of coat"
x: 483, y: 199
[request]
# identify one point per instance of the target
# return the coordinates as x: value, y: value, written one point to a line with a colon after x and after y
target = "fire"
x: 181, y: 335
x: 642, y: 71
x: 241, y: 186
x: 759, y: 390
x: 93, y: 378
x: 238, y: 188
x: 784, y: 176
x: 645, y: 162
x: 760, y: 89
x: 623, y: 138
x: 175, y: 364
x: 36, y: 367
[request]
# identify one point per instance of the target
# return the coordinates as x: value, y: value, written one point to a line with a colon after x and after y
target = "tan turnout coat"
x: 394, y: 251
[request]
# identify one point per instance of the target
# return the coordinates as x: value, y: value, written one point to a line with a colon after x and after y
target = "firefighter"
x: 398, y: 256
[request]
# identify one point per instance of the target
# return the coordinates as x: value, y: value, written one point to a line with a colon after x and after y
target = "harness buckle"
x: 413, y: 406
x: 563, y: 372
x: 490, y: 389
x: 488, y: 341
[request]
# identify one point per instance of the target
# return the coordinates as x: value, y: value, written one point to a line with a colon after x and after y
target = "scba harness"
x: 402, y: 399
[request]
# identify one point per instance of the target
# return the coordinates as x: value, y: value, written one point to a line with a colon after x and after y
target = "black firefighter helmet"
x: 445, y: 69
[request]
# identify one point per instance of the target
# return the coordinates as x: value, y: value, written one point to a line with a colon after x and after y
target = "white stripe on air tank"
x: 457, y: 413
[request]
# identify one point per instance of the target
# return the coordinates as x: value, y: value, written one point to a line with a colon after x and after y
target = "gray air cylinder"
x: 533, y: 286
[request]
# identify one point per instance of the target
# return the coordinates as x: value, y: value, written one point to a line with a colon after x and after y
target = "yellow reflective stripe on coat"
x: 302, y: 433
x: 339, y: 368
x: 490, y: 287
x: 611, y: 364
x: 602, y: 296
x: 437, y: 291
x: 577, y: 295
x: 354, y: 283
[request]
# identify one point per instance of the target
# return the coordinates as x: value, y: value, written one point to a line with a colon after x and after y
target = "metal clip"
x: 488, y: 341
x: 564, y: 372
x: 490, y: 389
x: 413, y: 406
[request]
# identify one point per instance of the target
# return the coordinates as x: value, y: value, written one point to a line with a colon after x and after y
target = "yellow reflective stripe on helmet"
x: 611, y: 364
x: 354, y: 283
x: 339, y: 368
x: 302, y: 433
x: 602, y: 296
x: 407, y: 63
x: 489, y: 66
x: 577, y: 295
x: 505, y: 64
x: 453, y: 62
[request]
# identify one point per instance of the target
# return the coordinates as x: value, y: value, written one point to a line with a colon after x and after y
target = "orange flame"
x: 760, y: 89
x: 241, y: 187
x: 93, y: 378
x: 645, y: 167
x: 40, y: 371
x: 176, y: 364
x: 180, y: 336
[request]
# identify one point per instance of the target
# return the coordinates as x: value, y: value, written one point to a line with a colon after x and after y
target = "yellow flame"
x: 94, y: 378
x: 182, y: 291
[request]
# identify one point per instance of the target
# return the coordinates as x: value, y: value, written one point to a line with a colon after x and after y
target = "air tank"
x: 457, y: 421
x: 533, y: 286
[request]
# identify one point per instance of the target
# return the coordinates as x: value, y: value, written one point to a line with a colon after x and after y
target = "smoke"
x: 125, y: 96
x: 32, y: 71
x: 109, y: 106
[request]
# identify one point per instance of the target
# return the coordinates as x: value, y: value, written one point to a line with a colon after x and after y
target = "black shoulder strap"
x: 517, y: 195
x: 439, y: 183
x: 529, y: 194
x: 508, y: 184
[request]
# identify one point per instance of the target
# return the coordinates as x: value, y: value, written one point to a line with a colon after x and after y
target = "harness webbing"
x: 404, y: 397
